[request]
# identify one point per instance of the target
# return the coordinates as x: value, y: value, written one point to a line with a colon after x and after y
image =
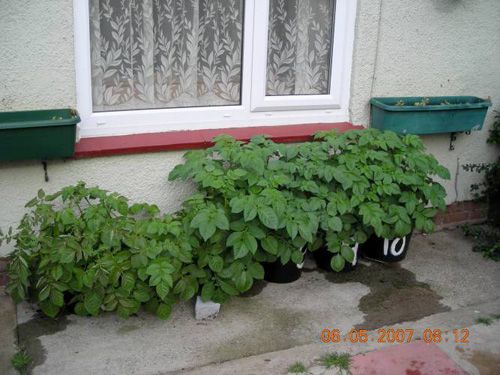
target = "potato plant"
x: 92, y: 251
x: 337, y: 190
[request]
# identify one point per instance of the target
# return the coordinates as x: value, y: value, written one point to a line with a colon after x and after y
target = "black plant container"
x: 390, y: 251
x: 323, y: 260
x: 276, y: 272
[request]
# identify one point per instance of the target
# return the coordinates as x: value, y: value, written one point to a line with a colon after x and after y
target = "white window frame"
x: 255, y: 109
x: 333, y: 100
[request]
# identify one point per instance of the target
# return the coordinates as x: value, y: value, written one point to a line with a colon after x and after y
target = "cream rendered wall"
x: 431, y: 48
x: 403, y: 47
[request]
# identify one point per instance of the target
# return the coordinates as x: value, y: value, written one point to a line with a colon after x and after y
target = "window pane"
x: 299, y: 47
x: 165, y: 53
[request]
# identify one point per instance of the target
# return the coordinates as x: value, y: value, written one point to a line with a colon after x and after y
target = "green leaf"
x: 207, y: 292
x: 40, y: 194
x: 163, y: 311
x: 56, y: 297
x: 270, y: 245
x: 89, y: 278
x: 199, y: 219
x: 180, y: 286
x: 234, y: 238
x: 128, y: 281
x: 92, y: 303
x: 268, y: 217
x: 152, y: 227
x: 136, y: 208
x: 347, y: 253
x: 67, y: 255
x: 44, y: 293
x: 243, y: 282
x: 141, y: 295
x: 207, y: 230
x: 250, y: 211
x: 250, y: 242
x: 216, y: 263
x: 305, y: 232
x: 56, y: 272
x: 221, y: 220
x: 443, y: 172
x: 189, y: 292
x: 237, y: 205
x: 256, y: 271
x: 360, y: 236
x: 139, y: 260
x: 297, y: 256
x: 228, y: 288
x: 256, y: 232
x: 292, y: 229
x: 240, y: 250
x: 162, y: 289
x: 68, y: 217
x: 80, y: 309
x: 337, y: 263
x: 335, y: 224
x: 49, y: 309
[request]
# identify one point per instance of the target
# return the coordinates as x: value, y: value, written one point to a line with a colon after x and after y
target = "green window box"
x: 42, y: 134
x: 429, y: 115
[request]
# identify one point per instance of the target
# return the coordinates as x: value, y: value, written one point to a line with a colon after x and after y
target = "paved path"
x: 8, y: 336
x: 440, y: 285
x: 480, y: 356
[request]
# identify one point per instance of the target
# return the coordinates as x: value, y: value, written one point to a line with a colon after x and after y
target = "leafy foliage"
x: 487, y: 239
x: 334, y: 192
x: 21, y: 361
x: 298, y: 368
x: 489, y: 190
x: 90, y: 250
x: 340, y: 361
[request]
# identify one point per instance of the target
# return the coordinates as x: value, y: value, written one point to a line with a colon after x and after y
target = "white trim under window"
x: 256, y: 109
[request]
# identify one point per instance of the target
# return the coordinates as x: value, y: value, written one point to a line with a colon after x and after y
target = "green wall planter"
x: 38, y: 134
x: 459, y: 114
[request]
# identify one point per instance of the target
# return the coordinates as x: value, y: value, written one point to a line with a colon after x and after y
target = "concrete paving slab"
x: 8, y: 335
x: 440, y: 274
x: 479, y: 356
x: 445, y: 262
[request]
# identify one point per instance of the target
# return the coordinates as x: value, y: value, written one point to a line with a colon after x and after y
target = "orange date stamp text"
x: 394, y: 335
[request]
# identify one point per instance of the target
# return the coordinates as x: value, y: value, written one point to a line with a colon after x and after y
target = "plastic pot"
x: 323, y: 259
x: 276, y: 272
x: 390, y: 251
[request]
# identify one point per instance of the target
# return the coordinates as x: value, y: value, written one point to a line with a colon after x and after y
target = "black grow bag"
x: 323, y: 259
x: 276, y: 272
x: 390, y: 251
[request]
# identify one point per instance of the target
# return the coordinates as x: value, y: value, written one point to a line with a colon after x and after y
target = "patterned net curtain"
x: 299, y: 47
x: 165, y: 53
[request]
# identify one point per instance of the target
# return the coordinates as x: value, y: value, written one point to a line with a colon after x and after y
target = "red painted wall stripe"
x: 195, y: 139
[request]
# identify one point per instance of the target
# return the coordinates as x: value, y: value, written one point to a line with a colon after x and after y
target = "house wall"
x: 402, y: 48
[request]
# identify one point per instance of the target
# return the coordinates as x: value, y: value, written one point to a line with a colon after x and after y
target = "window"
x: 158, y: 65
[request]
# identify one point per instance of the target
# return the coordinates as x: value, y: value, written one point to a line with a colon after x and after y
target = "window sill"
x: 196, y: 139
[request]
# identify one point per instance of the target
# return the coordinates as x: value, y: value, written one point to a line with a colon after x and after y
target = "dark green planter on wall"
x: 38, y: 134
x: 442, y: 114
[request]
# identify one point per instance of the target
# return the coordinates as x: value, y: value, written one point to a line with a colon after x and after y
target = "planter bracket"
x: 453, y: 138
x: 44, y: 163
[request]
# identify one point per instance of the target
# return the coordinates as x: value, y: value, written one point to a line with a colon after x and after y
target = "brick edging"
x: 460, y: 213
